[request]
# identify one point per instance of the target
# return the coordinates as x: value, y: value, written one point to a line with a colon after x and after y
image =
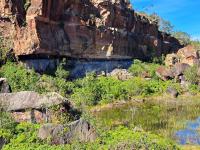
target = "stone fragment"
x: 120, y: 74
x: 172, y: 91
x: 4, y: 86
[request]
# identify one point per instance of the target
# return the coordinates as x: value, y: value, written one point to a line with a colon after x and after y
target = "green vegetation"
x: 134, y: 125
x: 27, y: 4
x: 24, y: 137
x: 191, y: 75
x: 196, y: 44
x: 90, y: 90
x: 139, y: 68
x: 183, y: 37
x: 22, y: 79
x: 159, y: 115
x: 5, y: 46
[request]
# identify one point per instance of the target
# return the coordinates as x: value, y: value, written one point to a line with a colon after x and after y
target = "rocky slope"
x: 96, y: 29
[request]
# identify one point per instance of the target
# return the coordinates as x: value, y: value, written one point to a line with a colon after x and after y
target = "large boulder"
x: 179, y: 69
x: 31, y: 106
x: 53, y: 132
x: 29, y: 100
x: 188, y: 55
x: 79, y: 130
x: 4, y: 86
x: 164, y: 73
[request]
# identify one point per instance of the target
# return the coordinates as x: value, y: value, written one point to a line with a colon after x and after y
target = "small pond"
x: 177, y: 119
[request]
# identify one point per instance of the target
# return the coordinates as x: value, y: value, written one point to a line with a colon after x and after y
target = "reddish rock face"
x: 82, y: 29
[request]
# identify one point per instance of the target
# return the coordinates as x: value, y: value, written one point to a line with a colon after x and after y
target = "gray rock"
x: 4, y: 86
x: 2, y: 142
x: 29, y: 100
x: 172, y: 91
x: 79, y: 130
x: 52, y: 132
x: 179, y: 69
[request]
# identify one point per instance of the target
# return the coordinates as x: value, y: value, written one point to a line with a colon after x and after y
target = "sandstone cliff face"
x: 81, y: 29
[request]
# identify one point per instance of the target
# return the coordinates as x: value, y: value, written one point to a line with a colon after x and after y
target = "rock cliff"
x: 97, y: 29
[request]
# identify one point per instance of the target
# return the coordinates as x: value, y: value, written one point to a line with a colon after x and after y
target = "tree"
x: 196, y: 44
x: 183, y: 37
x: 164, y: 25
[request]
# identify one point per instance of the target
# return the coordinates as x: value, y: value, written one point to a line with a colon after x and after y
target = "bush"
x: 19, y: 78
x: 87, y: 91
x: 196, y: 44
x: 22, y: 79
x: 124, y: 138
x: 191, y: 75
x: 139, y: 69
x: 97, y: 90
x: 119, y: 138
x: 5, y: 46
x: 183, y: 37
x: 61, y: 72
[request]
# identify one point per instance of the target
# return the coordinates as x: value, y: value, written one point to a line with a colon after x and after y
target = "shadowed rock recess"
x: 81, y: 29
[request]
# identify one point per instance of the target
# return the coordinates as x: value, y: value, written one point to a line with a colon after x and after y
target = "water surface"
x: 178, y: 120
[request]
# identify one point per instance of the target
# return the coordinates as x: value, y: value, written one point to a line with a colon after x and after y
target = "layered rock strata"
x: 97, y: 29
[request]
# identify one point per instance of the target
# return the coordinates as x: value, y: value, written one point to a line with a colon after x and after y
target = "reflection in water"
x: 189, y: 135
x: 166, y: 119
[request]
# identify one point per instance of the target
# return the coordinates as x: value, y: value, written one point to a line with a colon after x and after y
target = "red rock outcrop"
x: 187, y: 55
x: 82, y: 29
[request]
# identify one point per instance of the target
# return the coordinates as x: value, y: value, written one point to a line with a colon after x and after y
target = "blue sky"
x: 183, y: 14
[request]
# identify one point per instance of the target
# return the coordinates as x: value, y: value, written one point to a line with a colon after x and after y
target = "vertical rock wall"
x: 97, y: 29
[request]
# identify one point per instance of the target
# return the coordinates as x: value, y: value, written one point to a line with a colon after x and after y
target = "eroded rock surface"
x: 29, y: 100
x: 79, y: 130
x: 33, y: 107
x: 187, y: 55
x: 82, y: 29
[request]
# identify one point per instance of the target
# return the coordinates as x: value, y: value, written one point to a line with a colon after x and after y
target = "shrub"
x: 22, y: 79
x: 124, y: 138
x: 183, y: 37
x: 97, y: 90
x: 196, y: 44
x: 139, y: 68
x: 191, y: 74
x: 61, y: 72
x: 119, y: 138
x: 19, y: 78
x: 86, y: 92
x: 5, y: 45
